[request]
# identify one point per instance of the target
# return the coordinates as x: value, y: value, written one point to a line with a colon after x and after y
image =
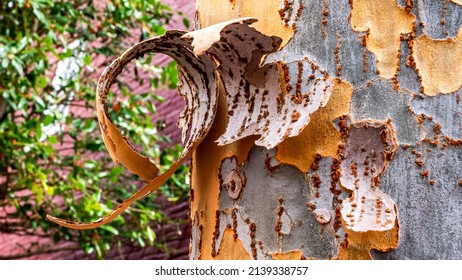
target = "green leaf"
x: 93, y: 146
x: 66, y: 53
x: 47, y: 151
x: 88, y: 249
x: 33, y: 224
x: 41, y: 82
x: 90, y: 125
x: 52, y: 139
x: 39, y: 195
x: 159, y: 98
x: 22, y: 44
x: 114, y: 173
x: 110, y: 229
x: 50, y: 191
x: 39, y: 100
x: 22, y: 103
x: 38, y: 131
x: 141, y: 241
x: 40, y: 16
x: 30, y: 167
x: 17, y: 65
x: 87, y: 59
x: 97, y: 196
x: 150, y: 234
x: 77, y: 123
x: 99, y: 253
x: 48, y: 41
x: 47, y: 120
x: 186, y: 22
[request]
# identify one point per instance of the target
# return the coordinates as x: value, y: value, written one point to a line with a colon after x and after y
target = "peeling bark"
x: 322, y: 133
x: 196, y: 76
x: 289, y: 162
x: 369, y: 148
x: 265, y: 102
x: 334, y: 191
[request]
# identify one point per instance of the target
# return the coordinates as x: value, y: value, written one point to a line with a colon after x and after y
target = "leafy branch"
x: 53, y: 160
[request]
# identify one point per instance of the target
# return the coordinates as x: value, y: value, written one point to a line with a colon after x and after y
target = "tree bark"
x: 377, y: 171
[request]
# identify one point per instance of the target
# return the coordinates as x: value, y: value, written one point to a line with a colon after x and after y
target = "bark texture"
x: 376, y: 173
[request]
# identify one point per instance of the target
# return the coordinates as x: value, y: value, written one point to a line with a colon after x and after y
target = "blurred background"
x: 52, y: 158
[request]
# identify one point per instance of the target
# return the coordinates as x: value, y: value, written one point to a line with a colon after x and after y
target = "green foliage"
x: 53, y: 162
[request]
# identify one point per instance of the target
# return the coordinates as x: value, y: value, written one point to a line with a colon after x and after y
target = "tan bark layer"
x: 267, y: 12
x: 384, y: 21
x: 360, y: 244
x: 230, y: 248
x: 438, y: 63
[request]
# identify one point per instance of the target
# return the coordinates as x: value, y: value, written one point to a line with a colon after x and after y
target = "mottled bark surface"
x: 377, y: 170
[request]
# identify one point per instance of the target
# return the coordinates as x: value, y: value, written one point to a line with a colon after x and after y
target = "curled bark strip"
x: 263, y: 99
x: 197, y: 86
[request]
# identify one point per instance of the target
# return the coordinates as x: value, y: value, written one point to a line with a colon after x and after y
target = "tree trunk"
x: 377, y: 171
